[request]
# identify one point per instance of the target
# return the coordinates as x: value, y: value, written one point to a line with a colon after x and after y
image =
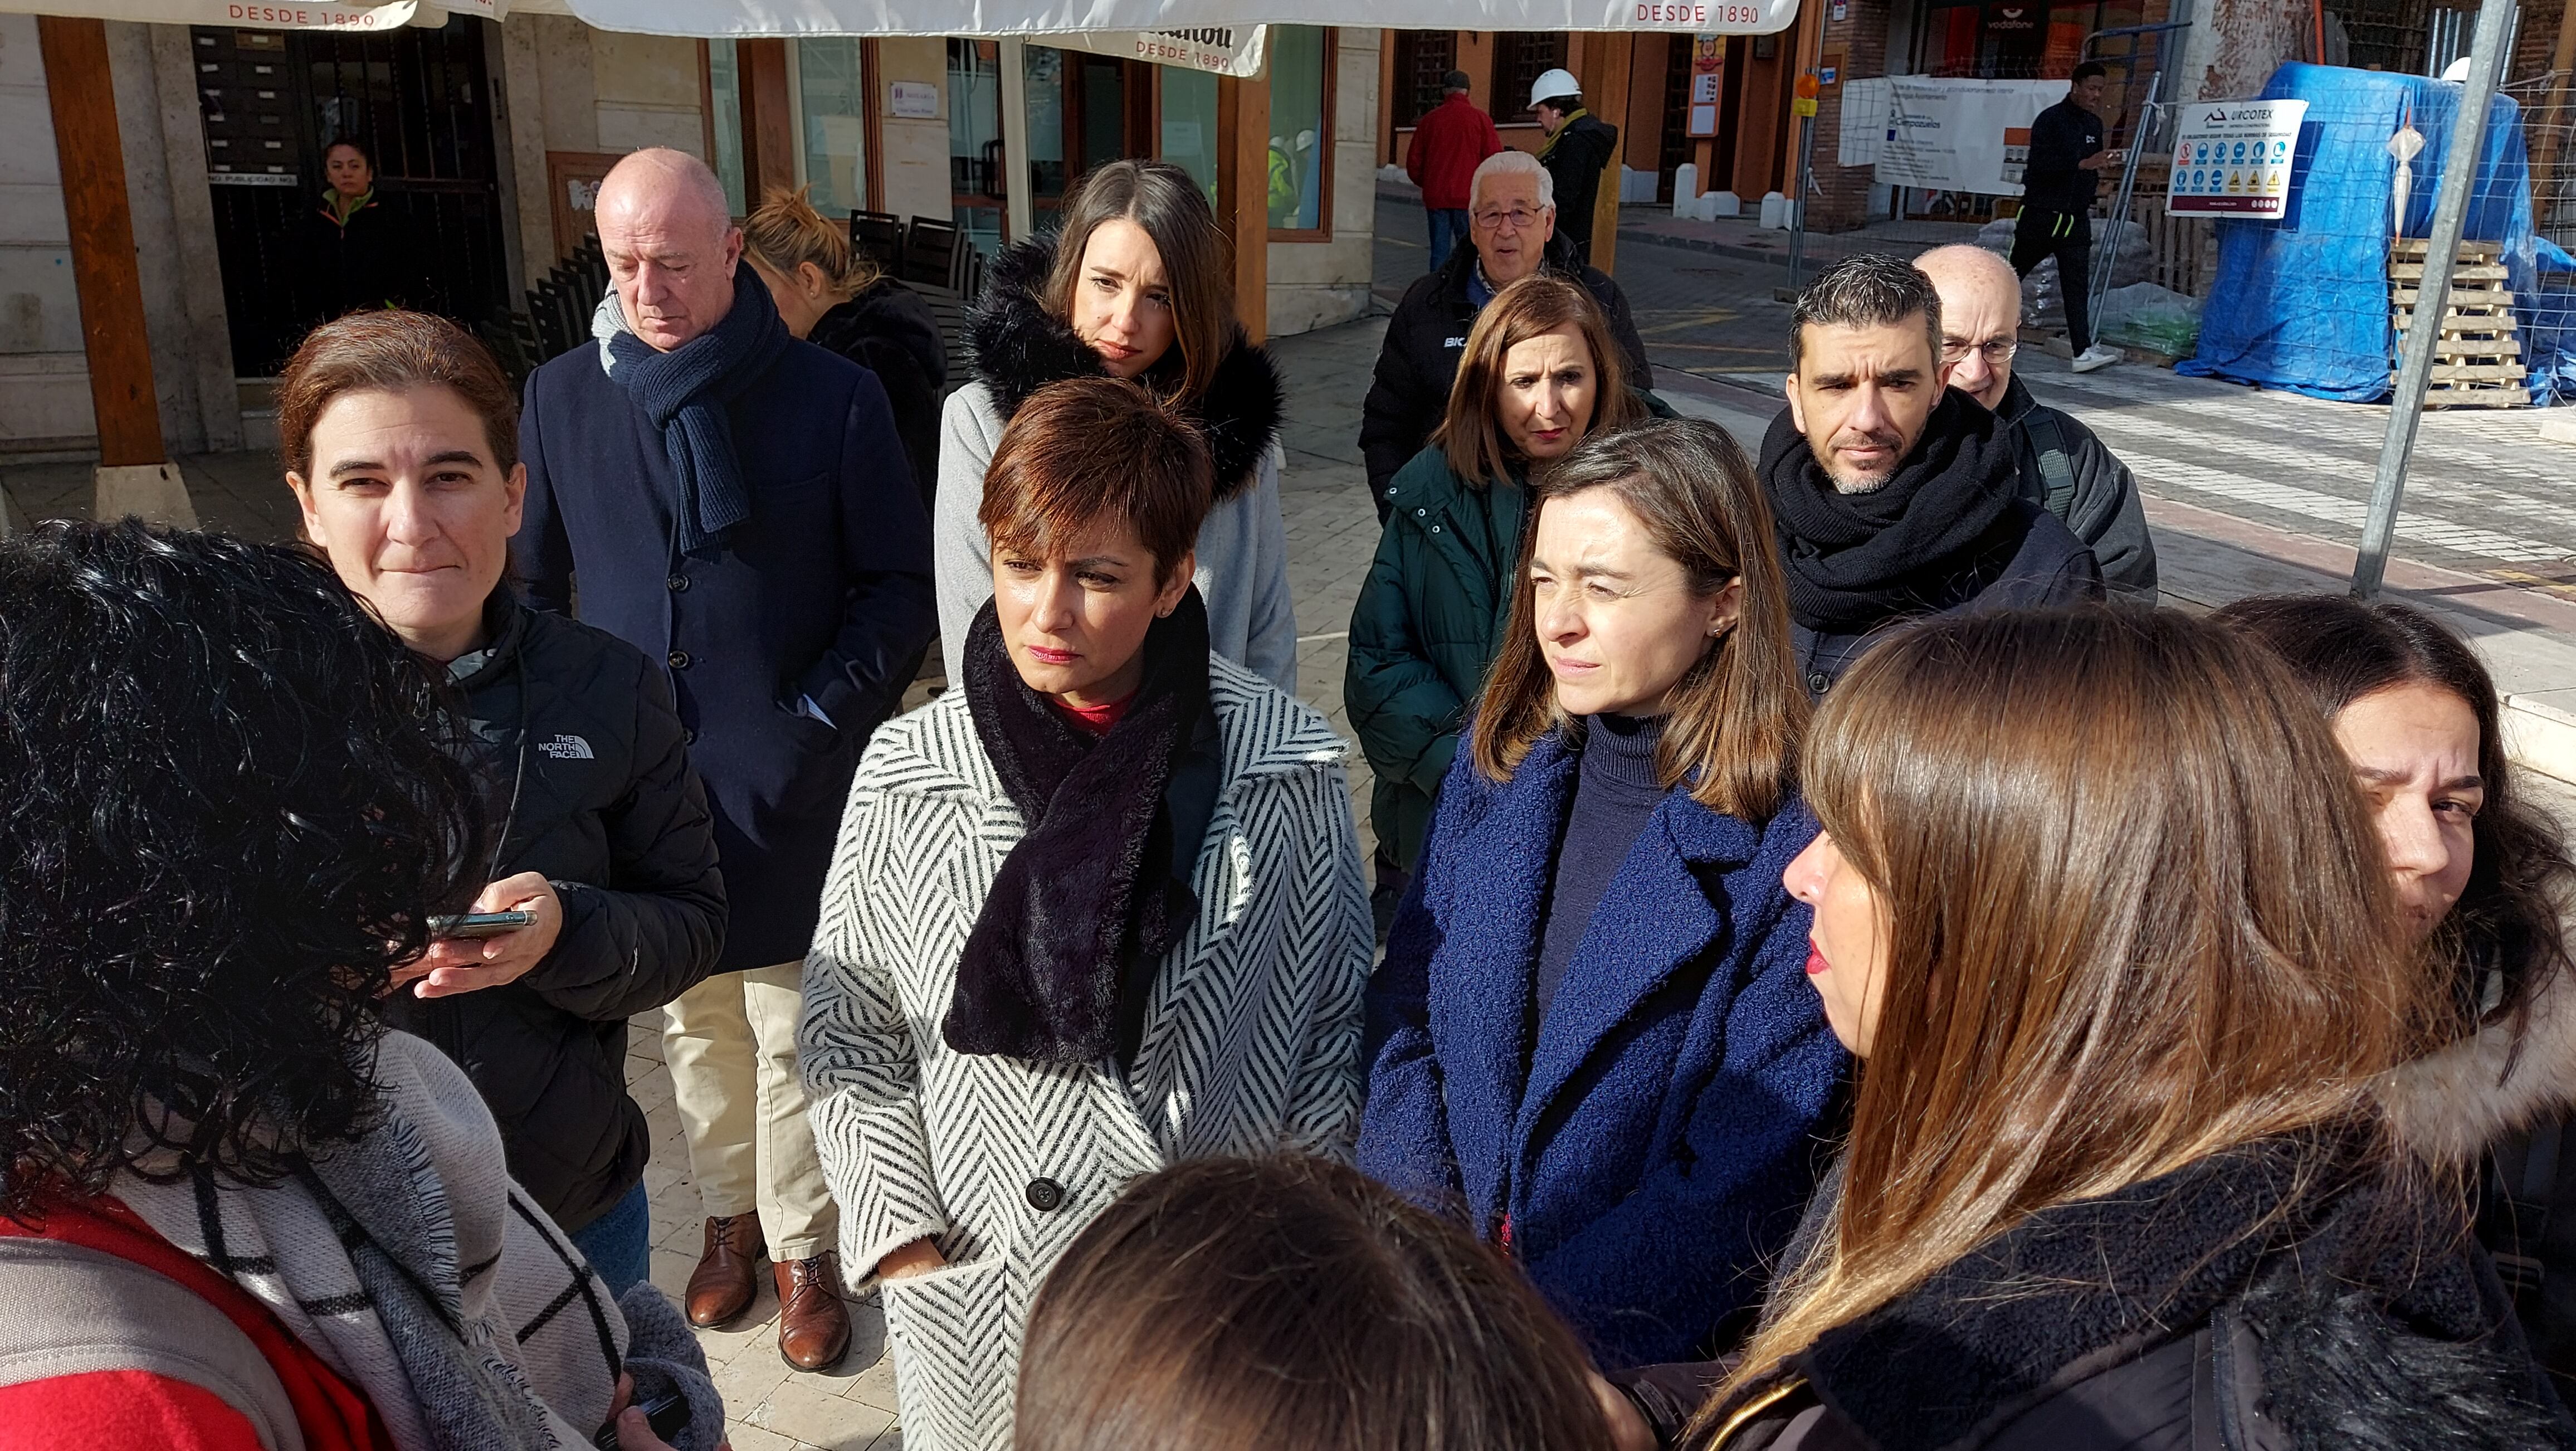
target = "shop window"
x: 1520, y: 58
x: 1423, y: 60
x: 1189, y: 125
x: 1044, y: 71
x: 724, y: 121
x: 2019, y: 39
x: 975, y: 140
x: 1301, y: 130
x: 833, y: 115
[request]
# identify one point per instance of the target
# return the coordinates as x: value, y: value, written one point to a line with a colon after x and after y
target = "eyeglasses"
x: 1521, y: 221
x: 1996, y: 351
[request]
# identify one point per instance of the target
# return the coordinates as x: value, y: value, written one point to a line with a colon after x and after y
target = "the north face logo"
x: 567, y: 748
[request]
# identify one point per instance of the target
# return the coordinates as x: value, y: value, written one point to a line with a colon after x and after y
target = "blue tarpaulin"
x: 2302, y: 303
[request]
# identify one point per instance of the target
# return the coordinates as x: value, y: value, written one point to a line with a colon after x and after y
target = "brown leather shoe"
x: 722, y: 1286
x: 813, y: 1324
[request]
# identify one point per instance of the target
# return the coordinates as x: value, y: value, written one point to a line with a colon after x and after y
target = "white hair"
x: 1513, y: 163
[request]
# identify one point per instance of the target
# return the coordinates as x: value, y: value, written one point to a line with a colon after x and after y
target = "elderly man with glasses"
x: 2064, y: 467
x: 1511, y: 220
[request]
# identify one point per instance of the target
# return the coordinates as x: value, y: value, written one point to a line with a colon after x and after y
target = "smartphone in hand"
x: 480, y: 924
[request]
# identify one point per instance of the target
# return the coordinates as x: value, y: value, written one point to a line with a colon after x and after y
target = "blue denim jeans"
x: 619, y: 1244
x: 1448, y: 229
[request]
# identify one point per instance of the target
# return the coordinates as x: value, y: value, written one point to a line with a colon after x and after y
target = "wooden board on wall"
x: 572, y: 182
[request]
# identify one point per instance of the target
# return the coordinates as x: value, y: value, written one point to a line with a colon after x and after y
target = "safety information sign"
x: 2233, y: 159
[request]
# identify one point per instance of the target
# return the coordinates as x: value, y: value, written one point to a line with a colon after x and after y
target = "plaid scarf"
x: 420, y: 1273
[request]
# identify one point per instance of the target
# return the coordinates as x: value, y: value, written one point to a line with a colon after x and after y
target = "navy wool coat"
x: 1647, y: 1148
x: 824, y: 593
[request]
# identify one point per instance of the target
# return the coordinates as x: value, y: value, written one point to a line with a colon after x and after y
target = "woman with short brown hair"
x: 401, y: 444
x: 1590, y: 1038
x: 1540, y: 372
x: 2105, y: 924
x: 1095, y: 910
x: 1292, y: 1304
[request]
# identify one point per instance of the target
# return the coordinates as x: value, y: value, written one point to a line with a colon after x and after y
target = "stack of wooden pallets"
x: 2477, y: 359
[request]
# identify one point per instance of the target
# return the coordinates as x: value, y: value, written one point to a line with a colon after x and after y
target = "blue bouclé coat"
x: 1651, y: 1143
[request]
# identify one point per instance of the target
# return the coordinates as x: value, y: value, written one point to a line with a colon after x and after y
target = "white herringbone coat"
x: 1251, y: 1038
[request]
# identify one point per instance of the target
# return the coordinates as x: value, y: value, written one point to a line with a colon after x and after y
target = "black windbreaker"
x: 581, y: 751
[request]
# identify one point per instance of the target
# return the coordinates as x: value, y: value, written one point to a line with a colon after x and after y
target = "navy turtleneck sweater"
x: 1615, y: 792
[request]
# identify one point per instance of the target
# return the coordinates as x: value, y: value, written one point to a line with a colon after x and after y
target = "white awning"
x: 1182, y: 32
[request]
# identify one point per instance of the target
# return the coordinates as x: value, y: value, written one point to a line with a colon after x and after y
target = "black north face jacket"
x: 581, y: 753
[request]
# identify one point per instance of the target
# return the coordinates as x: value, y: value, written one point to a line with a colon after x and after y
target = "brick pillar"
x: 1854, y: 46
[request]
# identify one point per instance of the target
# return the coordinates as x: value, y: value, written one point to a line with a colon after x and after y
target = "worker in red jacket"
x: 1449, y: 142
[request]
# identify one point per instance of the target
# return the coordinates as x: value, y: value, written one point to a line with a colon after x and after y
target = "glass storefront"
x: 2016, y: 39
x: 1301, y: 125
x: 724, y: 86
x: 975, y: 140
x: 832, y: 99
x: 1189, y: 125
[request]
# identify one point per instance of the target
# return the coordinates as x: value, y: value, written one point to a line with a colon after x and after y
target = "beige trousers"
x: 731, y: 1046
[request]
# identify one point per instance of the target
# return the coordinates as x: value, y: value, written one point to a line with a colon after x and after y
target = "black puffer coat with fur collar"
x: 2291, y: 1295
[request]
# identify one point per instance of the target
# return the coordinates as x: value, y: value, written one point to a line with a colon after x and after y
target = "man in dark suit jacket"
x: 736, y: 504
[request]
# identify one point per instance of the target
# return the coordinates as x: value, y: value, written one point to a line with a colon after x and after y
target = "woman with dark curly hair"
x: 235, y: 1210
x: 2486, y: 885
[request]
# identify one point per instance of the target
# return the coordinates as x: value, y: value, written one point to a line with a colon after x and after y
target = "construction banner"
x: 1950, y: 133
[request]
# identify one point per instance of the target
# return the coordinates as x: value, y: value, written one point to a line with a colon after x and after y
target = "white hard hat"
x: 1553, y: 84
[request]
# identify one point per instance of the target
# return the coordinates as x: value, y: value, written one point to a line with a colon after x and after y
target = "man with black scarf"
x: 1894, y: 495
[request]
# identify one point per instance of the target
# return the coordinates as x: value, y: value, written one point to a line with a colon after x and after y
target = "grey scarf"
x: 421, y: 1274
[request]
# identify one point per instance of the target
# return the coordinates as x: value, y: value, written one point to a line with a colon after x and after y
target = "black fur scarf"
x: 1090, y: 887
x: 1020, y: 347
x: 2376, y: 1326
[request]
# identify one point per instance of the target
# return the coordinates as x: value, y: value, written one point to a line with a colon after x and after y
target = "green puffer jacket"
x: 1429, y: 620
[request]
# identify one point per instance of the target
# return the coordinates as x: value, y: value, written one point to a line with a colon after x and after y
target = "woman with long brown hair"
x: 1134, y: 283
x: 2485, y: 884
x: 2109, y: 933
x: 1590, y: 1040
x: 1540, y: 371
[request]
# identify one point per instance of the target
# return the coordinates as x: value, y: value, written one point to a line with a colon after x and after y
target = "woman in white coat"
x: 1096, y: 910
x: 1133, y: 284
